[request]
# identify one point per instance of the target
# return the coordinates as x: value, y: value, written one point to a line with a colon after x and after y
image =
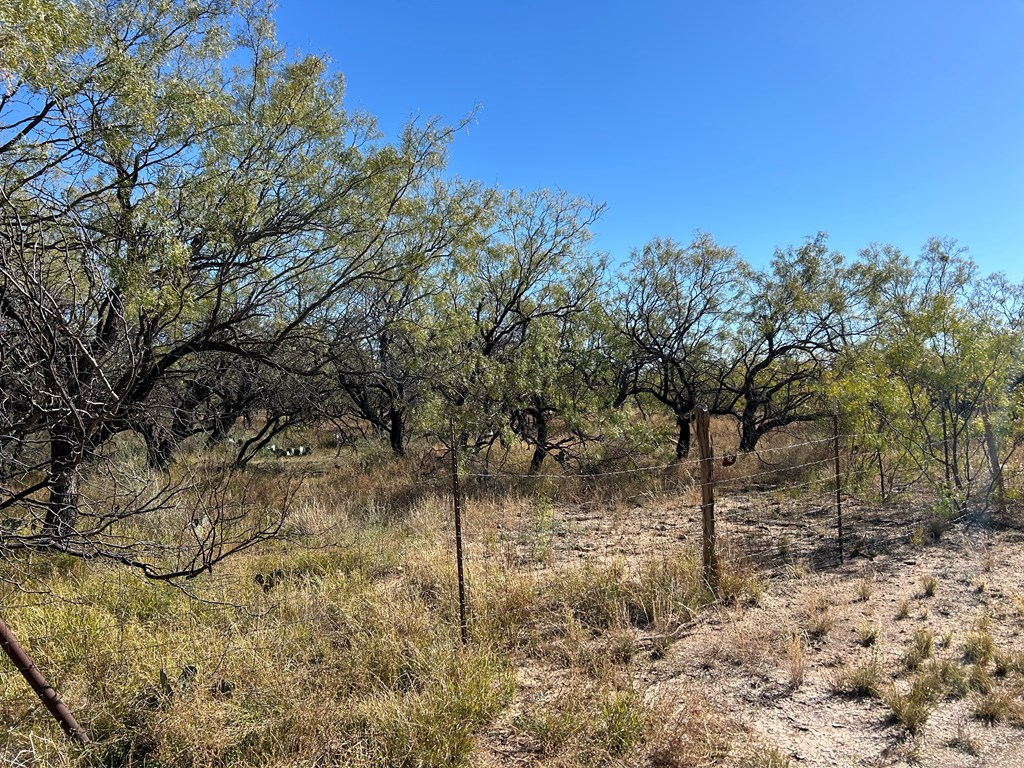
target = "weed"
x: 911, y: 709
x: 928, y: 586
x: 860, y: 680
x: 903, y: 609
x: 868, y: 635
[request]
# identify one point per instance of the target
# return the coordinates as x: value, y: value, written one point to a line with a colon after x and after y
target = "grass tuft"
x: 860, y: 680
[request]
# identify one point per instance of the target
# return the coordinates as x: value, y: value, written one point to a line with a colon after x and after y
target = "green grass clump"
x: 912, y: 708
x: 922, y: 644
x: 948, y: 678
x: 594, y: 726
x: 860, y: 680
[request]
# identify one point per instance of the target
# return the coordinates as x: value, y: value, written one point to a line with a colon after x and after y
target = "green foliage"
x: 935, y: 369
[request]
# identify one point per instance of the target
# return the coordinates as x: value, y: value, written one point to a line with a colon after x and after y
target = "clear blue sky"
x: 759, y: 122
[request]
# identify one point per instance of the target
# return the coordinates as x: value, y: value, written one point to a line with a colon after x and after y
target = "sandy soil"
x: 741, y: 656
x: 768, y: 671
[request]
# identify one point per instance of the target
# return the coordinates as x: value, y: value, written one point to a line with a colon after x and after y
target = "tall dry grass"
x: 338, y: 644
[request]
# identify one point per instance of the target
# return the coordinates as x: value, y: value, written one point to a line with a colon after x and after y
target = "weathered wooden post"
x: 701, y: 419
x: 838, y: 477
x: 457, y: 506
x: 46, y: 693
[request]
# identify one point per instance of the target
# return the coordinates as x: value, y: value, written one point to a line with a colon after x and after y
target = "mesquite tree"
x: 674, y: 310
x: 794, y: 319
x: 508, y: 296
x: 173, y: 190
x: 937, y: 374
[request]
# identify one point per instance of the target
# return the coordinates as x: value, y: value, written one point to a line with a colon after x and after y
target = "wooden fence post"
x: 457, y: 507
x: 702, y: 423
x: 43, y: 689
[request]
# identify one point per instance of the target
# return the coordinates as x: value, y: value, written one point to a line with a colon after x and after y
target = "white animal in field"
x: 278, y: 450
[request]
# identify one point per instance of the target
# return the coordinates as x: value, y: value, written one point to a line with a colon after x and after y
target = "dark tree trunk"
x: 683, y: 440
x: 945, y: 452
x: 396, y: 431
x: 65, y: 472
x: 749, y: 433
x: 540, y: 446
x: 160, y: 445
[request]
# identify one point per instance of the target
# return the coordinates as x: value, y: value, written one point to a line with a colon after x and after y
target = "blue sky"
x: 759, y: 122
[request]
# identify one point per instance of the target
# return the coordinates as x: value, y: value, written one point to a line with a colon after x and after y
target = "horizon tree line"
x: 195, y: 234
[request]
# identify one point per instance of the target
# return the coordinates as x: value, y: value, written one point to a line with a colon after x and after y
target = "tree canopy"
x: 196, y: 234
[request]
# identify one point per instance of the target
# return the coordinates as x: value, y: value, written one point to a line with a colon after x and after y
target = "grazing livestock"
x: 281, y: 451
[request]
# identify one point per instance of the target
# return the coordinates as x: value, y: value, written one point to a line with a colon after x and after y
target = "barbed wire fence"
x: 801, y: 503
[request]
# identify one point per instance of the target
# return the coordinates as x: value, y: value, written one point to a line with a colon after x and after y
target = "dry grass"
x: 581, y: 725
x: 819, y: 618
x: 860, y: 680
x: 696, y: 734
x: 339, y: 645
x: 797, y: 658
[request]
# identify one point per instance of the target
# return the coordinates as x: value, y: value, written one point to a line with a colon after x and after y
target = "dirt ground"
x: 766, y: 676
x: 741, y: 658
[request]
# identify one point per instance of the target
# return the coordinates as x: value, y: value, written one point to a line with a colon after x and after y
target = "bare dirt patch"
x: 779, y: 677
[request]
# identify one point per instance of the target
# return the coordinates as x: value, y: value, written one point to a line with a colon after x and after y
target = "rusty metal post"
x: 457, y: 506
x: 43, y: 689
x: 838, y: 477
x: 702, y: 421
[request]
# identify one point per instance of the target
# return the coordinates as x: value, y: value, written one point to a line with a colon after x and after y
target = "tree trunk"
x: 748, y: 428
x: 396, y: 431
x: 683, y: 440
x: 65, y: 472
x: 540, y: 447
x: 160, y: 445
x: 995, y: 466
